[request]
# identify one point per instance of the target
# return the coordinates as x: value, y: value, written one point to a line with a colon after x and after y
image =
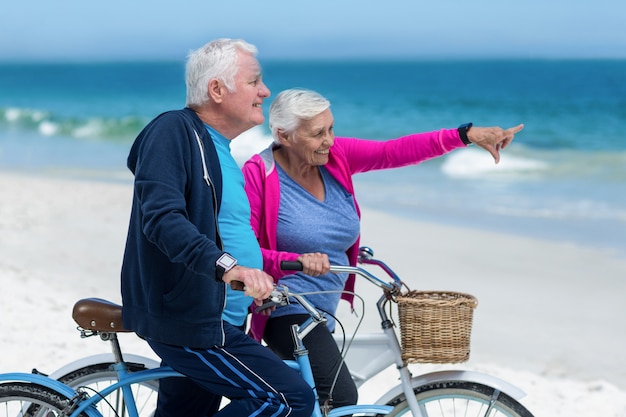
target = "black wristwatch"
x: 224, y: 264
x: 463, y: 132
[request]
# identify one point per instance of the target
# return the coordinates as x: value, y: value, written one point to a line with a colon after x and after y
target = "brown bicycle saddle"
x: 98, y: 315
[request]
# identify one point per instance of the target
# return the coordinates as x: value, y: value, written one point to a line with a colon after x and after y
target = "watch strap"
x: 463, y: 132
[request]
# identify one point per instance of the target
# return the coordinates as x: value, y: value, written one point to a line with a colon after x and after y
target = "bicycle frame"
x: 81, y: 403
x: 86, y: 404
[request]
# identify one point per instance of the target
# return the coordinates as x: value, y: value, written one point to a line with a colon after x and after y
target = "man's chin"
x: 257, y: 121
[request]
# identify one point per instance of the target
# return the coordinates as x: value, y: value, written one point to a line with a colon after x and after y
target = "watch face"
x: 226, y: 261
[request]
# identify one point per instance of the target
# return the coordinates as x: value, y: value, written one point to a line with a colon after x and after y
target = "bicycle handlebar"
x: 297, y: 266
x: 281, y: 294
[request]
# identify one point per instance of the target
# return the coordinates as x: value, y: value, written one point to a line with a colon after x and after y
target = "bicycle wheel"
x: 25, y: 399
x: 459, y: 398
x: 94, y: 378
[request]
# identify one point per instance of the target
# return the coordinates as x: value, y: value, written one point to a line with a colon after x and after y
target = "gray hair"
x: 217, y: 59
x: 292, y: 106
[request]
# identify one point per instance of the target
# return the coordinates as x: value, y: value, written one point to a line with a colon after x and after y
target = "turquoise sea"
x: 563, y: 178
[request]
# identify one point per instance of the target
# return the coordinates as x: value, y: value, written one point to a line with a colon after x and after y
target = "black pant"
x: 324, y: 356
x: 180, y: 396
x: 183, y: 397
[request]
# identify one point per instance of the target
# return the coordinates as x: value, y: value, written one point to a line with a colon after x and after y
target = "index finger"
x: 516, y: 129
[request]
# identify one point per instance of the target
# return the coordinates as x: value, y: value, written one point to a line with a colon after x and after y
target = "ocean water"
x: 563, y: 178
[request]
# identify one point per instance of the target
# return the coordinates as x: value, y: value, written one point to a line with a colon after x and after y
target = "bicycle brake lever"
x: 275, y: 299
x: 267, y: 304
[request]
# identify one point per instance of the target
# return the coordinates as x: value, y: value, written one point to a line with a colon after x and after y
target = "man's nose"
x: 264, y: 91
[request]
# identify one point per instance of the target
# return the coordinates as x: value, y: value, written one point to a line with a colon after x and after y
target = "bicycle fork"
x: 405, y: 374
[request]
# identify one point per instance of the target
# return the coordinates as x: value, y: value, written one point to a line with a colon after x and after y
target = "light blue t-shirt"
x: 306, y: 225
x: 235, y: 229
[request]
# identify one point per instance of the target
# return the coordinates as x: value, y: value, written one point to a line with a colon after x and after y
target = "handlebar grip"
x: 237, y: 285
x: 291, y: 265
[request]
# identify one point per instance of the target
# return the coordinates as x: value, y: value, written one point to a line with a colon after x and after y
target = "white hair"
x: 217, y: 59
x: 292, y: 106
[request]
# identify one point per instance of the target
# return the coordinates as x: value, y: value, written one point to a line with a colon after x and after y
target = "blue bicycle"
x: 127, y: 386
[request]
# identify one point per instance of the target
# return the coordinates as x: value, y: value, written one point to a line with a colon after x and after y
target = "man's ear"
x: 216, y: 90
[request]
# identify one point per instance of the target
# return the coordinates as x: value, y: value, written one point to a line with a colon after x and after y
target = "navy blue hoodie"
x: 169, y: 290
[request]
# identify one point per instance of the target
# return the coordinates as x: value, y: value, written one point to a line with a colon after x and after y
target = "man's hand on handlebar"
x: 254, y: 282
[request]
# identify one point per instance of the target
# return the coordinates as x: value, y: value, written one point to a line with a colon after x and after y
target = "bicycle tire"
x: 33, y: 400
x: 460, y: 398
x: 95, y: 377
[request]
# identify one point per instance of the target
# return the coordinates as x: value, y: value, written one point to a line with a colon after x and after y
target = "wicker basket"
x: 435, y: 326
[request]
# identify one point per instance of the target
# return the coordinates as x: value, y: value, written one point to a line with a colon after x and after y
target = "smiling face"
x: 242, y: 108
x: 312, y: 140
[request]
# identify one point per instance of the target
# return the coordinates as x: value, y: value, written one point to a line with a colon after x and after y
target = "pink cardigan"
x: 348, y: 156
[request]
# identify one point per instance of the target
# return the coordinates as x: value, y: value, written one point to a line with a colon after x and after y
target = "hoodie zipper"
x: 208, y: 181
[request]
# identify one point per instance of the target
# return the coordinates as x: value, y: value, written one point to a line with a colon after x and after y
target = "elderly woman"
x: 302, y: 204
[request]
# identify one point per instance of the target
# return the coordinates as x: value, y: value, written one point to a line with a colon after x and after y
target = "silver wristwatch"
x: 224, y: 264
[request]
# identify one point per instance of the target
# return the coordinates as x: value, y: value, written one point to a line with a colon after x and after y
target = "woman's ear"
x: 283, y: 137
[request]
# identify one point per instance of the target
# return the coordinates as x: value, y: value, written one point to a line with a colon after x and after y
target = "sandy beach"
x: 550, y: 315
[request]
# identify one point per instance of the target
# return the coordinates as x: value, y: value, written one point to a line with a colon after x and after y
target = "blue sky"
x: 141, y: 29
